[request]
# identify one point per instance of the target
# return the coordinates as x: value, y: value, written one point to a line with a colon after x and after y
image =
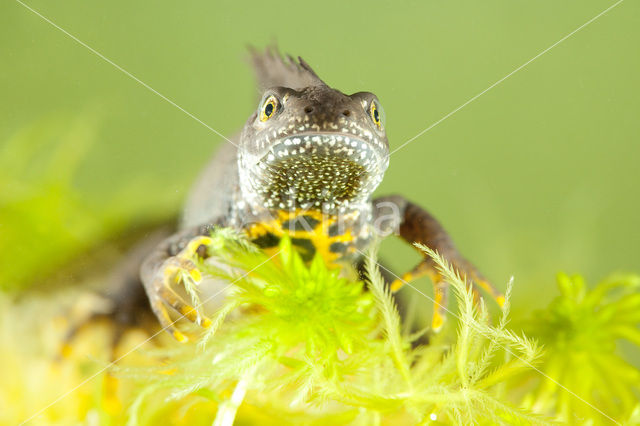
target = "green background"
x: 537, y: 175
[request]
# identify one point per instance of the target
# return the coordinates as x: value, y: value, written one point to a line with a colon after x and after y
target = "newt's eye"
x: 376, y: 114
x: 269, y: 108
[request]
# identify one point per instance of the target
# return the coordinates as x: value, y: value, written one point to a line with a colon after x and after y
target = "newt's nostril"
x: 308, y: 109
x: 346, y: 113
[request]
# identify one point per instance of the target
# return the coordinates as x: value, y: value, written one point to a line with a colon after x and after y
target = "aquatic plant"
x: 294, y: 342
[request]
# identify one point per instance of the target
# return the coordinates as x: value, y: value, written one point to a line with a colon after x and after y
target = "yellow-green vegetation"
x: 298, y: 344
x: 586, y: 376
x: 305, y: 342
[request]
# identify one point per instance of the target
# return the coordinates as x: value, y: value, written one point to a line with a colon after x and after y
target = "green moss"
x: 301, y: 340
x: 585, y: 374
x: 298, y: 344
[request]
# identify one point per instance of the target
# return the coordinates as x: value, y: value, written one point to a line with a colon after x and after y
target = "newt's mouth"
x: 323, y: 171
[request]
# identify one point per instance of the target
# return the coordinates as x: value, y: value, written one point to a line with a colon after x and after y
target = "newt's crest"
x: 274, y: 70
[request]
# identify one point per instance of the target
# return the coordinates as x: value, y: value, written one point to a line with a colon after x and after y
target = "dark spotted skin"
x: 306, y: 164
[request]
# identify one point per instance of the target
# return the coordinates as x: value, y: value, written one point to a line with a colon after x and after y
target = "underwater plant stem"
x: 462, y: 355
x: 390, y: 317
x: 400, y: 361
x: 227, y: 410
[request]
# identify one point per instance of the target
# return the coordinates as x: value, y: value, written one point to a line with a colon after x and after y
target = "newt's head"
x: 308, y: 145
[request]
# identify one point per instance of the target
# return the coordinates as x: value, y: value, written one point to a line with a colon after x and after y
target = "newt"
x: 305, y: 165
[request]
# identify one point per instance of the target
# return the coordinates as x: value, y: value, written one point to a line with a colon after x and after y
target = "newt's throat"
x: 325, y: 172
x: 312, y: 180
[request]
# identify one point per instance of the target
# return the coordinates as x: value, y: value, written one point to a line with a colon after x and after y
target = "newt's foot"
x: 441, y: 288
x: 121, y: 316
x: 179, y: 269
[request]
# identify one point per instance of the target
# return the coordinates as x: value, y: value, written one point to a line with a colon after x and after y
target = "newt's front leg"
x: 173, y: 262
x: 416, y: 225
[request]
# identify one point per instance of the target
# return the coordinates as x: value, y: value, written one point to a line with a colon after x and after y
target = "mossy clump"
x: 300, y: 342
x: 584, y: 374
